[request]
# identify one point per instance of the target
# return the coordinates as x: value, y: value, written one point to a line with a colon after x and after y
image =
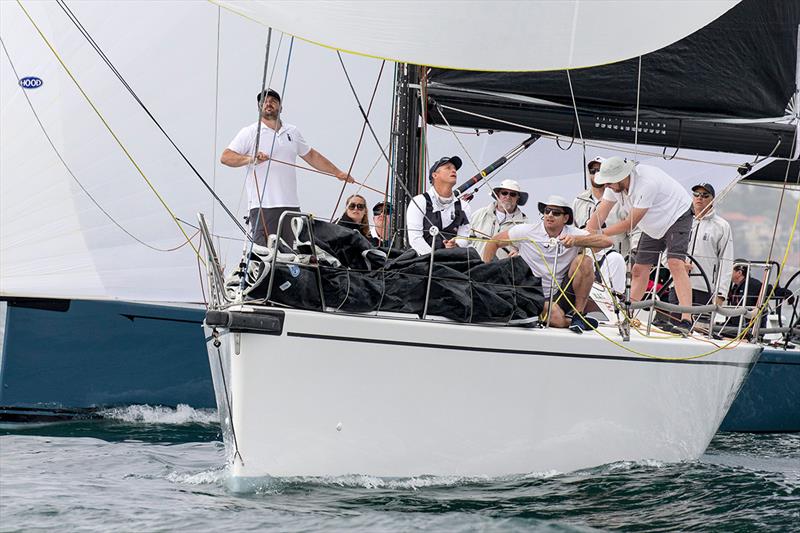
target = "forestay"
x: 489, y: 36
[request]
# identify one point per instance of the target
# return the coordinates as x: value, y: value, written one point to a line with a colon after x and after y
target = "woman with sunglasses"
x: 355, y: 215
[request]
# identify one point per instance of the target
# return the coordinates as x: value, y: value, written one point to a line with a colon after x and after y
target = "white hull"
x: 342, y: 394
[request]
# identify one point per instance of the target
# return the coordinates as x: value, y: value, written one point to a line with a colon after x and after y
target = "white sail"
x: 505, y: 35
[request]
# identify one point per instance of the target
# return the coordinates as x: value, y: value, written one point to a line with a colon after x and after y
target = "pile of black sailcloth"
x: 462, y: 287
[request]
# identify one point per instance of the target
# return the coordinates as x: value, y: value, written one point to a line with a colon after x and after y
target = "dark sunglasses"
x: 512, y: 194
x: 353, y: 207
x: 554, y: 212
x: 702, y: 194
x: 594, y: 171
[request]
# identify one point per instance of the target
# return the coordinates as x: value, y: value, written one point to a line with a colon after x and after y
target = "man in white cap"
x: 660, y: 207
x: 272, y: 186
x: 501, y: 214
x: 554, y: 245
x: 611, y: 260
x: 585, y: 204
x: 438, y: 207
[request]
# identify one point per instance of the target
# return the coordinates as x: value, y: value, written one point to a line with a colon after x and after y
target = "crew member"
x: 660, y: 207
x: 556, y: 240
x: 272, y: 185
x: 440, y: 208
x: 500, y: 215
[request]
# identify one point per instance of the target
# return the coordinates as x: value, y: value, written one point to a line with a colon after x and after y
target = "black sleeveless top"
x: 459, y: 218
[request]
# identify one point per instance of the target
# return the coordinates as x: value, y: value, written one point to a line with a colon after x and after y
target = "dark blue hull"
x: 68, y: 358
x: 770, y: 398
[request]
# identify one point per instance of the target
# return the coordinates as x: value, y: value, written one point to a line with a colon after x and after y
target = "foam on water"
x: 147, y: 414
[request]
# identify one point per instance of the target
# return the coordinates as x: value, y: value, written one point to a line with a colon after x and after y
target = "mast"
x: 405, y: 138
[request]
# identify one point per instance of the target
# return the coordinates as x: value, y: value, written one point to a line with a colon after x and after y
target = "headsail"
x: 505, y: 35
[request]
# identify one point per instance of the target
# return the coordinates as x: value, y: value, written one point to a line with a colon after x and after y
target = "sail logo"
x: 31, y: 82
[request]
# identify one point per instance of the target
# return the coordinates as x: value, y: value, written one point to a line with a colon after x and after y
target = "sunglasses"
x: 702, y: 194
x: 512, y: 194
x: 594, y: 171
x: 354, y: 207
x: 554, y: 212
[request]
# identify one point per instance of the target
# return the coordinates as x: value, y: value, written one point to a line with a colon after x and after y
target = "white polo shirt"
x: 653, y: 189
x: 281, y: 187
x: 545, y: 252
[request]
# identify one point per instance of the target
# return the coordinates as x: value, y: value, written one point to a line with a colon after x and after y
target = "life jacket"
x: 445, y: 233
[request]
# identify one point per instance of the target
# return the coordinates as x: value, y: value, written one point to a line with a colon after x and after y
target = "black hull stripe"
x: 515, y: 352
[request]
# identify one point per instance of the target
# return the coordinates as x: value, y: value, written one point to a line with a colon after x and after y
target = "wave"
x: 148, y: 414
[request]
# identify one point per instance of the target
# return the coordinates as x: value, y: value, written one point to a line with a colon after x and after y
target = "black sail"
x: 741, y: 66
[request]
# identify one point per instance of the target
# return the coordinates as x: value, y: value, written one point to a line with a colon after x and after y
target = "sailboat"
x: 335, y: 391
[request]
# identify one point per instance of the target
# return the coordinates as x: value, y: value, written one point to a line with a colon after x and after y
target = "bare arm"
x: 235, y: 159
x: 625, y: 225
x: 599, y: 216
x: 321, y: 163
x: 499, y: 240
x: 596, y: 241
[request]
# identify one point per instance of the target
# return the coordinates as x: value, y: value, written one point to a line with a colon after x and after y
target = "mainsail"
x: 504, y: 35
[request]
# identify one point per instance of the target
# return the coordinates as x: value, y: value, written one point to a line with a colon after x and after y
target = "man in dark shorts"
x: 660, y: 207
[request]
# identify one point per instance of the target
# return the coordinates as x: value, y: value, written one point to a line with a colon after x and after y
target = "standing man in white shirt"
x: 660, y: 207
x: 438, y: 207
x: 272, y: 185
x: 555, y: 240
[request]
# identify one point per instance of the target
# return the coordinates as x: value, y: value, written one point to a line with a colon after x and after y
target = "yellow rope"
x: 108, y: 127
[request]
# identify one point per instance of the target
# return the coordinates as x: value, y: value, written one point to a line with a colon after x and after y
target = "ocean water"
x: 155, y: 469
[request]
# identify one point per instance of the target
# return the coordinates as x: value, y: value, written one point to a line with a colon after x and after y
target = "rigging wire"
x: 360, y: 137
x: 122, y: 80
x: 380, y: 145
x: 108, y: 127
x: 74, y: 177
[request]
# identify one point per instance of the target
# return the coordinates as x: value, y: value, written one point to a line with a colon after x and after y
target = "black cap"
x: 707, y: 186
x: 269, y: 92
x: 443, y: 161
x: 379, y: 208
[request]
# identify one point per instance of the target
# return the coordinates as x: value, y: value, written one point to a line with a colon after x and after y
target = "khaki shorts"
x: 675, y: 241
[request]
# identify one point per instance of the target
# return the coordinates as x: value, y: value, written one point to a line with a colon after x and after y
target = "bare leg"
x: 583, y: 280
x: 639, y: 276
x: 683, y: 288
x: 557, y: 318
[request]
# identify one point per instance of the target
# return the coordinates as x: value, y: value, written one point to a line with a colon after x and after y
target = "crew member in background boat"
x: 611, y: 260
x: 661, y: 208
x: 355, y: 215
x: 539, y: 244
x: 379, y: 231
x: 439, y: 207
x: 711, y: 246
x: 739, y: 276
x: 274, y: 194
x: 501, y: 214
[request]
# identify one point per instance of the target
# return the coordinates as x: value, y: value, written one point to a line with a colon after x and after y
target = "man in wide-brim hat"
x: 556, y: 241
x: 661, y: 208
x: 503, y: 213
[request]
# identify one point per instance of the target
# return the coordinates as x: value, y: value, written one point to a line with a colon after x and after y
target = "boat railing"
x: 313, y: 261
x: 216, y: 279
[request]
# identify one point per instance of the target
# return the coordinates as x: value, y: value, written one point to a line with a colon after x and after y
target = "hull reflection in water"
x: 304, y: 393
